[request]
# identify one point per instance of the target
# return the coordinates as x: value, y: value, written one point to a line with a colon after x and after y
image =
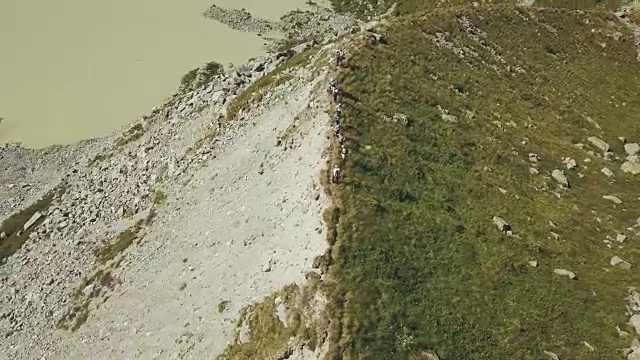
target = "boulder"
x: 559, y: 176
x: 617, y: 261
x: 632, y: 149
x: 562, y: 272
x: 599, y: 143
x: 630, y: 167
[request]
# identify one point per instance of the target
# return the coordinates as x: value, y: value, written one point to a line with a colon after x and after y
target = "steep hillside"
x: 513, y: 116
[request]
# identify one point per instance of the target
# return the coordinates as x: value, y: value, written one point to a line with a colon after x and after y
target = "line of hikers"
x: 335, y: 92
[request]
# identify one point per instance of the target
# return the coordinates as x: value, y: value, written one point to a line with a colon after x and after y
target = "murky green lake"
x: 75, y: 69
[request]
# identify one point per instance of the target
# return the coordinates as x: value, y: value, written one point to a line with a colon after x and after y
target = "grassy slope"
x: 420, y: 262
x: 365, y: 8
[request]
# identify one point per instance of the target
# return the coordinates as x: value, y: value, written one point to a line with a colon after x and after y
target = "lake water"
x: 75, y: 69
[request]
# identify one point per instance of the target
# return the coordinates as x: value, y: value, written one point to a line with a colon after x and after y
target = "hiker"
x: 336, y: 174
x: 335, y: 94
x: 339, y: 108
x: 343, y: 152
x: 336, y: 118
x: 339, y: 57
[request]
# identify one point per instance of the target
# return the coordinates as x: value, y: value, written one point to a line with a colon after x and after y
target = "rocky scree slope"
x: 181, y: 170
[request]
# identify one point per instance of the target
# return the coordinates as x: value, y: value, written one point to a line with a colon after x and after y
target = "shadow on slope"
x: 421, y: 265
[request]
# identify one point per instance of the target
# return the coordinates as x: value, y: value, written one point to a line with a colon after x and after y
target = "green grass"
x: 367, y: 8
x: 122, y: 242
x: 159, y: 197
x: 190, y: 80
x: 100, y: 158
x: 13, y: 226
x: 254, y: 93
x: 222, y: 306
x: 131, y: 135
x: 418, y: 263
x: 268, y: 336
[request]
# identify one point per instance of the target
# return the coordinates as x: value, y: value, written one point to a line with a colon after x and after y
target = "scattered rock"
x: 616, y: 261
x: 607, y: 172
x: 599, y: 143
x: 533, y: 157
x: 569, y: 163
x: 551, y: 355
x: 589, y: 346
x: 567, y: 273
x: 430, y: 355
x: 632, y: 149
x: 635, y: 322
x: 34, y: 218
x: 630, y: 168
x: 377, y: 38
x: 89, y: 290
x: 533, y: 263
x: 621, y: 237
x: 612, y: 198
x: 502, y: 225
x: 559, y: 176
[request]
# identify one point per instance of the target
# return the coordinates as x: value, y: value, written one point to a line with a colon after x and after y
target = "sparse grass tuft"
x: 254, y: 93
x: 222, y: 306
x: 131, y: 135
x: 418, y: 263
x: 123, y: 241
x: 159, y: 197
x: 13, y: 226
x: 200, y: 76
x: 100, y: 158
x: 269, y: 337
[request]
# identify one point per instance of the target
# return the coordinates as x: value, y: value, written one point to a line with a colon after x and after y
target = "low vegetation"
x: 222, y: 306
x: 254, y: 93
x: 159, y: 197
x: 15, y: 235
x: 134, y: 133
x: 418, y: 263
x: 199, y: 76
x: 268, y: 337
x: 364, y: 9
x: 122, y: 242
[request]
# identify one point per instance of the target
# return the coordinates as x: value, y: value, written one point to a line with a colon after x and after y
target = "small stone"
x: 559, y: 176
x: 268, y: 266
x: 551, y: 355
x: 607, y: 172
x: 533, y: 263
x: 589, y: 346
x: 502, y: 225
x: 567, y: 273
x: 632, y: 149
x: 617, y: 261
x: 533, y: 157
x: 569, y: 163
x: 635, y: 322
x: 533, y: 171
x: 621, y: 237
x: 612, y: 198
x: 89, y: 290
x: 599, y: 143
x: 630, y: 168
x: 34, y: 218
